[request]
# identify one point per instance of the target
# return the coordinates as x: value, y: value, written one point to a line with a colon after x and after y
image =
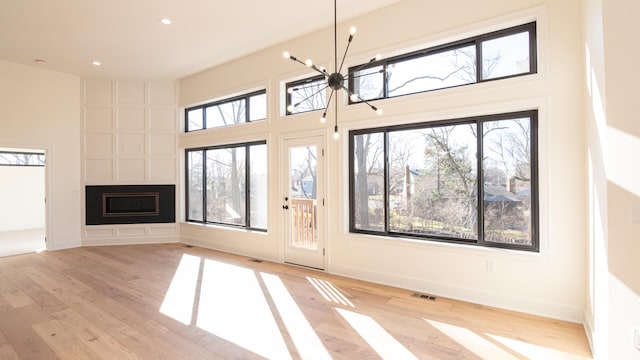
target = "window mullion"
x: 247, y: 185
x: 478, y: 62
x: 204, y: 186
x: 387, y: 214
x: 480, y: 182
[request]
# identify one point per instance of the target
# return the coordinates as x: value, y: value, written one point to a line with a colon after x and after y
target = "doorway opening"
x: 303, y: 202
x: 22, y: 209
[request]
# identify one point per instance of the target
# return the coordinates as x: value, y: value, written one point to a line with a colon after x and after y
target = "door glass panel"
x: 303, y: 168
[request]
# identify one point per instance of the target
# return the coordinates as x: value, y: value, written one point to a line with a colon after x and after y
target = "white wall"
x: 129, y: 131
x: 613, y: 142
x: 550, y: 283
x: 40, y: 109
x: 22, y: 194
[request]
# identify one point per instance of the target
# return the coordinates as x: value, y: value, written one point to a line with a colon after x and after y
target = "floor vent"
x: 255, y: 260
x: 423, y: 296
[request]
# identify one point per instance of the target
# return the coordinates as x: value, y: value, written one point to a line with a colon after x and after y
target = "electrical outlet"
x: 491, y: 265
x: 636, y: 339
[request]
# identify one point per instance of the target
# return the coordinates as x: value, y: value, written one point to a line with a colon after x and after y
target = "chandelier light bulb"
x: 290, y: 108
x: 309, y: 63
x: 354, y: 98
x: 379, y: 111
x: 336, y: 134
x: 378, y: 57
x: 323, y: 119
x: 286, y: 55
x: 353, y: 30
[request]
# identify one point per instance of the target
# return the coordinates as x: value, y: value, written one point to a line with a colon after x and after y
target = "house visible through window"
x: 471, y: 180
x: 228, y: 185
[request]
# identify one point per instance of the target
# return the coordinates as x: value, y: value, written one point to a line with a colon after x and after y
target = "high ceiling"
x: 128, y: 39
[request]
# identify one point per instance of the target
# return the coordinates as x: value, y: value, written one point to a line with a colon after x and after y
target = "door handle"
x: 286, y: 207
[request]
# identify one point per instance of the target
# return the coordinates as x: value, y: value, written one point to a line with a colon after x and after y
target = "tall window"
x: 228, y: 185
x: 236, y: 110
x: 497, y: 55
x: 306, y: 95
x: 470, y: 181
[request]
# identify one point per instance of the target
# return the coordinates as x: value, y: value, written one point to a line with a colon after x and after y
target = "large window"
x: 497, y: 55
x: 228, y: 185
x: 306, y: 95
x: 236, y: 110
x: 471, y: 180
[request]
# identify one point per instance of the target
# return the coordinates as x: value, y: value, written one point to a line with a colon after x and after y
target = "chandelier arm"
x: 324, y: 112
x: 335, y: 104
x: 323, y: 72
x: 335, y: 35
x: 359, y: 98
x: 329, y: 101
x: 310, y: 96
x: 351, y: 76
x: 363, y: 66
x: 346, y: 50
x: 297, y: 60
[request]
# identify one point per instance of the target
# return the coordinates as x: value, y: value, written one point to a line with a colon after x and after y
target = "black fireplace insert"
x: 129, y: 204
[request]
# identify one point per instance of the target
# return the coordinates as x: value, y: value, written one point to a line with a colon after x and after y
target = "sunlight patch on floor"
x: 304, y: 337
x: 233, y: 307
x: 376, y: 336
x: 329, y: 292
x: 475, y: 343
x: 535, y: 352
x: 179, y: 300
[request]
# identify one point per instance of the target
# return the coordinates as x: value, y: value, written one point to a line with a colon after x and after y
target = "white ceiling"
x: 126, y: 36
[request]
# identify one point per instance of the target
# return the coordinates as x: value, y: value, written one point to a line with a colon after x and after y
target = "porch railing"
x: 303, y: 222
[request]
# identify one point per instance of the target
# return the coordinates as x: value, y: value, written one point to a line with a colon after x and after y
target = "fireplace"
x: 129, y: 204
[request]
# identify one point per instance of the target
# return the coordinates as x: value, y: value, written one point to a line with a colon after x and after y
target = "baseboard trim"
x: 131, y: 241
x: 472, y: 295
x: 252, y: 253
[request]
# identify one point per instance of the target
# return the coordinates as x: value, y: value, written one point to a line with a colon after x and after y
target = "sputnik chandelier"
x: 335, y: 80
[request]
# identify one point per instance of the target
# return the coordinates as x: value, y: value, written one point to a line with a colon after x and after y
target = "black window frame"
x: 475, y: 41
x: 247, y: 187
x: 246, y: 97
x: 301, y: 82
x: 478, y: 120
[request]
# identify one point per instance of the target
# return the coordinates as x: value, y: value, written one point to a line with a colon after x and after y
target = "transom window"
x: 471, y: 181
x: 236, y: 110
x: 12, y: 158
x: 497, y: 55
x: 306, y: 95
x: 227, y: 185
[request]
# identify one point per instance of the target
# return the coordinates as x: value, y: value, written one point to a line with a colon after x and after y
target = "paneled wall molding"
x: 129, y: 136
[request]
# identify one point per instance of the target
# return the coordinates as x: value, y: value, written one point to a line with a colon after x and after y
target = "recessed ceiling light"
x: 165, y: 21
x: 96, y: 63
x: 40, y: 61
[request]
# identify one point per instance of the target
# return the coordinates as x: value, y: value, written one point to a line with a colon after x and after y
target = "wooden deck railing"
x: 303, y: 221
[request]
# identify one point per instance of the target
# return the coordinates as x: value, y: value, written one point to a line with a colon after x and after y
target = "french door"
x: 303, y: 202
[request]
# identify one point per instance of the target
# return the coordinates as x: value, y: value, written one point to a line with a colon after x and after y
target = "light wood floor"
x: 177, y: 302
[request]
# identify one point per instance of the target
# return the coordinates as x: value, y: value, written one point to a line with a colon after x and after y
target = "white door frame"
x: 313, y: 258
